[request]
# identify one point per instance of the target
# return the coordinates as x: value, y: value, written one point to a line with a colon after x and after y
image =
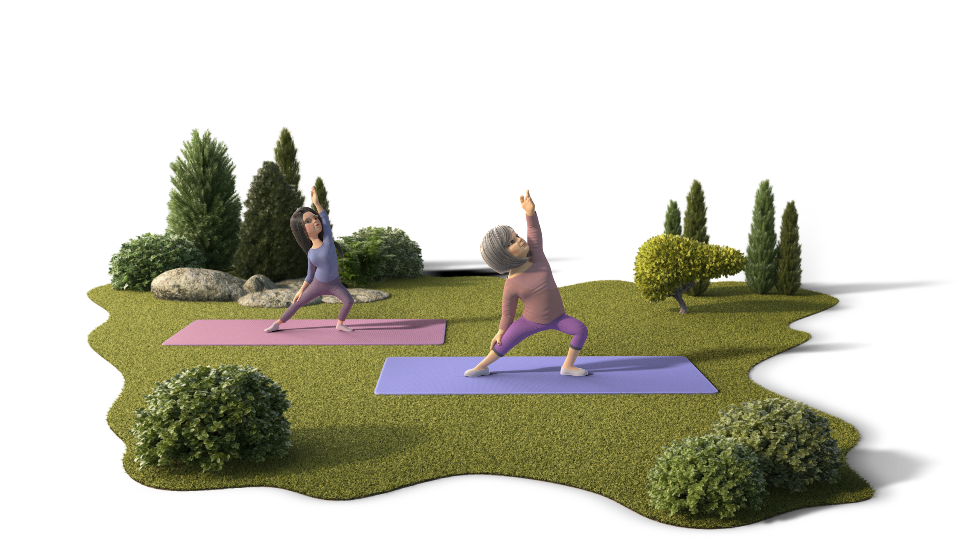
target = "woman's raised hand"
x: 527, y: 204
x: 313, y: 198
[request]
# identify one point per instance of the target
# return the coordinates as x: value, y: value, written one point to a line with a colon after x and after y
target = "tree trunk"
x: 678, y: 294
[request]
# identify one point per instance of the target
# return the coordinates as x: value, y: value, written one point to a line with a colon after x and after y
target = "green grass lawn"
x: 350, y: 443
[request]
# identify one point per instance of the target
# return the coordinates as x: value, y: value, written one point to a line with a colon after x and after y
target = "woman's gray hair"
x: 494, y: 252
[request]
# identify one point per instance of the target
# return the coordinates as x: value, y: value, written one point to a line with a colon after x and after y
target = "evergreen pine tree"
x: 267, y: 246
x: 285, y: 156
x: 672, y: 224
x: 695, y: 227
x: 788, y: 276
x: 204, y: 206
x: 322, y: 199
x: 761, y: 268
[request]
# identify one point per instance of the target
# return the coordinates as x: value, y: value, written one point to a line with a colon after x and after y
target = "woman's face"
x: 517, y: 247
x: 313, y: 225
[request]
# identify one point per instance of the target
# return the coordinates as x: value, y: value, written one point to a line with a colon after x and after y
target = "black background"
x: 445, y: 181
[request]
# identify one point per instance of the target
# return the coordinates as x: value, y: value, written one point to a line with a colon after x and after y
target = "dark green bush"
x: 402, y: 258
x: 208, y: 416
x: 145, y: 257
x: 771, y: 442
x: 376, y: 254
x: 359, y: 261
x: 706, y: 474
x: 794, y: 443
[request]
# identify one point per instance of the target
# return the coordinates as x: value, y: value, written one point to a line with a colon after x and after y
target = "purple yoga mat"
x: 541, y: 375
x: 443, y: 375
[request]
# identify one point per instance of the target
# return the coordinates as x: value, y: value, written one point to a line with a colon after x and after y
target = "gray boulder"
x: 258, y: 283
x: 197, y: 285
x: 282, y: 297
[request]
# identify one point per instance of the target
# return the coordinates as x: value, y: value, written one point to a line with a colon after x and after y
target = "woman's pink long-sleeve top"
x: 535, y: 286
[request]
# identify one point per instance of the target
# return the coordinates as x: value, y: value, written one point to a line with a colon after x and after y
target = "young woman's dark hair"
x: 300, y: 231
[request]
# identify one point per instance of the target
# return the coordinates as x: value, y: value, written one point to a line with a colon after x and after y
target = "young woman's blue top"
x: 322, y: 261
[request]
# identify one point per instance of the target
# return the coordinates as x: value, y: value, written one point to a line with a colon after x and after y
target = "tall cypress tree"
x: 204, y: 206
x: 695, y: 227
x: 267, y: 246
x: 323, y: 195
x: 671, y: 218
x: 788, y: 275
x: 761, y: 268
x: 285, y: 156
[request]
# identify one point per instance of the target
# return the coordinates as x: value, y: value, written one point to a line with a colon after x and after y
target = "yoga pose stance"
x: 530, y: 280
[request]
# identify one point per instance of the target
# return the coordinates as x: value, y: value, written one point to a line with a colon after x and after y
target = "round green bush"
x: 359, y: 260
x: 376, y: 254
x: 208, y: 416
x: 145, y: 257
x: 706, y: 474
x: 793, y: 442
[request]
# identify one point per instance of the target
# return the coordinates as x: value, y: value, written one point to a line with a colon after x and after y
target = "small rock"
x: 258, y: 283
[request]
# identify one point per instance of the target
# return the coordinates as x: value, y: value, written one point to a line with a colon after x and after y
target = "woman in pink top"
x: 530, y: 280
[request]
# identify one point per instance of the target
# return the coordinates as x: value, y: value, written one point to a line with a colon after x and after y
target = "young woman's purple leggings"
x: 317, y: 288
x: 522, y: 328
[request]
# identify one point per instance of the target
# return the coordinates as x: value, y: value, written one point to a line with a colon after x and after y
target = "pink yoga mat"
x: 311, y: 332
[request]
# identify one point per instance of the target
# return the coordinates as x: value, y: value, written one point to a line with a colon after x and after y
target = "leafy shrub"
x: 376, y: 254
x: 706, y: 474
x: 667, y: 262
x: 791, y: 440
x: 145, y: 257
x: 772, y: 442
x: 208, y: 416
x: 359, y: 261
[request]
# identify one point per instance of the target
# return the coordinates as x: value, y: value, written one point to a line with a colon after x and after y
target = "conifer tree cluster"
x: 770, y: 262
x: 205, y: 208
x: 694, y: 227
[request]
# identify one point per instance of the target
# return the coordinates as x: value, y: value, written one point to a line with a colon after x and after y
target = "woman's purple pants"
x: 522, y: 328
x: 317, y: 288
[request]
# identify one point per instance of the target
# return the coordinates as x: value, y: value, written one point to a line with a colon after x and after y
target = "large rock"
x: 204, y: 285
x: 197, y: 285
